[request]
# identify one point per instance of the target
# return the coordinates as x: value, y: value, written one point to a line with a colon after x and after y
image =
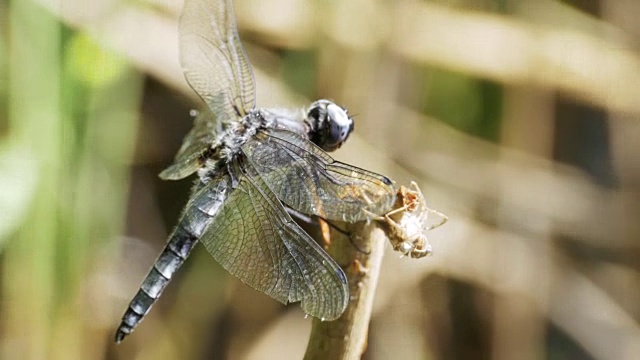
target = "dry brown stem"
x: 361, y: 257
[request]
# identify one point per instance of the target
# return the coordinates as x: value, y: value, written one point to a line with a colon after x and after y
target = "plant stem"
x: 361, y: 257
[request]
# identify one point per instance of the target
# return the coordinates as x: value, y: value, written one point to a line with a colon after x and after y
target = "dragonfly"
x: 255, y: 167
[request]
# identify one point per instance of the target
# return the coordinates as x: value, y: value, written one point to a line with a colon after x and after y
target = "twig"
x: 361, y: 257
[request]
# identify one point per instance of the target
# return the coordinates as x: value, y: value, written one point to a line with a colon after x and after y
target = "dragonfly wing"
x: 203, y: 136
x: 213, y: 59
x: 255, y: 239
x: 216, y: 67
x: 308, y: 180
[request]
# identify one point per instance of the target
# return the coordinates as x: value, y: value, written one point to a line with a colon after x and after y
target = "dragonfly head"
x: 330, y: 125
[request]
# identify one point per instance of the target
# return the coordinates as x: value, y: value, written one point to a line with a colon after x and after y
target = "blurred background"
x: 519, y: 120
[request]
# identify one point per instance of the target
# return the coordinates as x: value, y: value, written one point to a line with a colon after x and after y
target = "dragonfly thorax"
x: 238, y: 134
x: 228, y: 145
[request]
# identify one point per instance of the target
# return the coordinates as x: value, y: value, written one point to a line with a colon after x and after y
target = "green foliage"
x: 4, y: 81
x: 18, y: 176
x: 91, y: 64
x: 469, y: 104
x: 72, y: 120
x: 300, y: 72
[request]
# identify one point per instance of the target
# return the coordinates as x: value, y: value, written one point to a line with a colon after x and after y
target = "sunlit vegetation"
x: 519, y: 120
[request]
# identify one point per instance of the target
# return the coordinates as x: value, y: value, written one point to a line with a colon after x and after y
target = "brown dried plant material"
x: 409, y: 221
x: 359, y: 251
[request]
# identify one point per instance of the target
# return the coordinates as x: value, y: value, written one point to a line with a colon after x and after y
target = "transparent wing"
x: 189, y: 158
x: 213, y: 59
x: 308, y: 180
x: 255, y: 239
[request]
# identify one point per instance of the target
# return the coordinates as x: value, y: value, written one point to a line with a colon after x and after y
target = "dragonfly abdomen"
x: 180, y: 244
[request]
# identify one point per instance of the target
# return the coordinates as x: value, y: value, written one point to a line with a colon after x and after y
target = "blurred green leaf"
x: 18, y: 180
x: 470, y: 104
x: 92, y: 64
x: 4, y: 80
x: 300, y: 72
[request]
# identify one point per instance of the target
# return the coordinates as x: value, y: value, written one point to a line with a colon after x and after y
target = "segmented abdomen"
x: 197, y: 215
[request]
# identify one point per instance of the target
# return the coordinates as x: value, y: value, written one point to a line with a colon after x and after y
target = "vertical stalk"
x: 72, y: 111
x: 35, y: 128
x: 346, y: 337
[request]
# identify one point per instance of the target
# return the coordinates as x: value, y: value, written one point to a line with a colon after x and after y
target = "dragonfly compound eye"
x: 340, y: 125
x: 331, y: 125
